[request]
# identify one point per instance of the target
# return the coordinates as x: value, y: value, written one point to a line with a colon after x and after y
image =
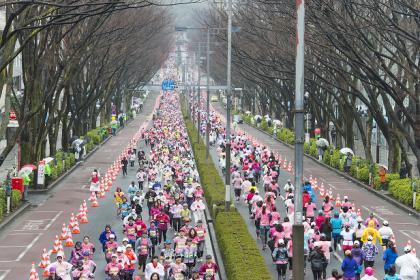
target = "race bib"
x: 209, y: 271
x: 200, y: 233
x: 152, y: 233
x: 113, y: 270
x: 131, y: 231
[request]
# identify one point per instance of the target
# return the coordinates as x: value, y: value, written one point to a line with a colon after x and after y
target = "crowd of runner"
x: 329, y: 225
x: 162, y: 234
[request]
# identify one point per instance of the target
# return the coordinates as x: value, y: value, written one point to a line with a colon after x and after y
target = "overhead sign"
x: 168, y: 85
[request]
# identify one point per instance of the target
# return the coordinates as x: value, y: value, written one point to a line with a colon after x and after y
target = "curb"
x: 389, y: 199
x: 12, y: 215
x: 68, y: 172
x: 212, y: 233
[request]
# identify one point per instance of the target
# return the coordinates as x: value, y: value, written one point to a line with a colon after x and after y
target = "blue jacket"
x: 310, y: 191
x: 389, y: 258
x: 349, y: 267
x: 336, y: 224
x: 103, y: 238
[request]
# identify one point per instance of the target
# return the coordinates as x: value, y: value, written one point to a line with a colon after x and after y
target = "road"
x: 24, y: 239
x: 405, y: 226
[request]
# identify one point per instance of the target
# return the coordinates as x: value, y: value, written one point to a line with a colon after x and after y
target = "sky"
x: 186, y: 14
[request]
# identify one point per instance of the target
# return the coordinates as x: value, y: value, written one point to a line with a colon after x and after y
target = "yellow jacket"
x: 370, y: 230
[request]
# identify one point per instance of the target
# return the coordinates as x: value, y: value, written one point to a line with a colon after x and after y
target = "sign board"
x: 41, y: 173
x: 168, y: 85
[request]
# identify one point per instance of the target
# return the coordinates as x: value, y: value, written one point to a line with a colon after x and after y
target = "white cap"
x: 281, y: 242
x: 112, y: 236
x: 385, y: 223
x: 407, y: 249
x: 345, y: 197
x: 60, y: 254
x: 356, y: 242
x: 120, y: 249
x: 370, y: 238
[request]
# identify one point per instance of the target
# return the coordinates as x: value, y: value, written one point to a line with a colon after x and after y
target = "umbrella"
x: 383, y: 166
x: 345, y: 151
x: 248, y: 112
x: 322, y: 142
x: 77, y: 142
x: 257, y: 117
x: 277, y: 122
x: 48, y: 159
x: 27, y: 169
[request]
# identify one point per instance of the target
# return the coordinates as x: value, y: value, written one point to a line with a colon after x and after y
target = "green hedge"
x: 16, y: 199
x: 388, y: 178
x: 241, y: 256
x: 212, y: 184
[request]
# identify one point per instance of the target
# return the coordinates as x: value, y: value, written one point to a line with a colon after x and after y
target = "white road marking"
x: 53, y: 220
x: 376, y: 214
x: 409, y: 237
x: 332, y: 186
x: 29, y: 247
x: 6, y: 272
x: 12, y: 246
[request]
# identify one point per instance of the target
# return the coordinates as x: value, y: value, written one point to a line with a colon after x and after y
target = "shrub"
x: 388, y: 178
x: 313, y: 150
x: 362, y: 174
x: 290, y: 136
x: 418, y: 203
x: 401, y: 190
x: 15, y: 199
x: 306, y: 147
x: 3, y: 204
x: 264, y: 125
x: 335, y: 159
x: 327, y: 156
x: 241, y: 256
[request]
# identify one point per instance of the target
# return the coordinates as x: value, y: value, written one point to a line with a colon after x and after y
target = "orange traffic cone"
x: 102, y: 192
x: 56, y: 244
x: 33, y: 275
x: 60, y: 248
x: 85, y: 209
x: 322, y: 191
x: 76, y: 229
x: 94, y: 203
x: 45, y: 259
x: 289, y: 168
x: 69, y: 240
x: 72, y: 219
x: 311, y: 180
x: 92, y: 196
x: 83, y: 219
x: 285, y: 163
x: 338, y: 201
x: 63, y: 232
x: 46, y: 272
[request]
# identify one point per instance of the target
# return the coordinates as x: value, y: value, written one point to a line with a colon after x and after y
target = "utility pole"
x: 228, y: 101
x: 298, y: 260
x: 208, y: 96
x: 199, y: 95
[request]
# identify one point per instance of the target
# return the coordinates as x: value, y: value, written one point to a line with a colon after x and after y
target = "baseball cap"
x: 120, y: 249
x: 281, y: 242
x: 209, y: 257
x: 129, y: 246
x: 407, y: 249
x: 112, y: 236
x: 370, y: 238
x: 125, y: 239
x: 114, y: 256
x: 60, y: 254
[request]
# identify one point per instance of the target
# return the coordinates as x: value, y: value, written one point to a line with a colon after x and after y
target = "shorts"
x: 238, y: 192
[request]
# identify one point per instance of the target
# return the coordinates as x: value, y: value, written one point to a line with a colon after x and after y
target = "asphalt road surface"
x: 23, y: 240
x: 405, y: 226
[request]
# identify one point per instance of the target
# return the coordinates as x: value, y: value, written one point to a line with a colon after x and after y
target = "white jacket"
x: 409, y: 265
x: 150, y: 270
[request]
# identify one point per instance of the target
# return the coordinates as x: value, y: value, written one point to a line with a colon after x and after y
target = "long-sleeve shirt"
x: 151, y: 268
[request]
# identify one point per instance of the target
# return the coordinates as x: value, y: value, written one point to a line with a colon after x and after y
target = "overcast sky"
x: 185, y: 15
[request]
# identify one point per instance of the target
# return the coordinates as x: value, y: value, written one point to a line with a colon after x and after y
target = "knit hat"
x: 369, y: 271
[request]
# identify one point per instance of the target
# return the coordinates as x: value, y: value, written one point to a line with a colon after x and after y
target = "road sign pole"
x: 208, y: 96
x: 199, y: 95
x: 228, y: 101
x: 298, y: 252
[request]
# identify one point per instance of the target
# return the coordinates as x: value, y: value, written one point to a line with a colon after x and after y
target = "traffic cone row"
x: 289, y: 168
x: 69, y: 241
x: 338, y: 201
x: 56, y: 245
x: 94, y: 202
x: 72, y: 219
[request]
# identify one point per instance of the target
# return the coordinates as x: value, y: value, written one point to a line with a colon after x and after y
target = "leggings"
x: 162, y: 233
x: 142, y: 262
x: 177, y: 223
x: 281, y: 269
x: 317, y: 274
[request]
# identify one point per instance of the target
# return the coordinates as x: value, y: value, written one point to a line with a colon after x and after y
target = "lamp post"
x: 298, y: 239
x: 228, y: 101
